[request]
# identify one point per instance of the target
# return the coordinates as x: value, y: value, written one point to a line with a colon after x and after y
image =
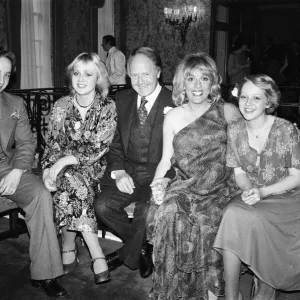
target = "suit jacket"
x: 117, y: 158
x: 16, y: 137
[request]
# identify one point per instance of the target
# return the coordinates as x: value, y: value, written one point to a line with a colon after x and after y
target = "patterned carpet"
x: 125, y: 284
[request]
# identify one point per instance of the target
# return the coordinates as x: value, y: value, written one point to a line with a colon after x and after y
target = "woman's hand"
x: 158, y: 187
x: 50, y: 185
x: 251, y: 196
x: 57, y: 167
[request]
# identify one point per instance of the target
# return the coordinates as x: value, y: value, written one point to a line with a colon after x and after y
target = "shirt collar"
x: 150, y: 98
x: 111, y: 50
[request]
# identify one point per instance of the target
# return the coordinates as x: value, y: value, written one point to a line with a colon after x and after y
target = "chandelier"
x: 181, y: 17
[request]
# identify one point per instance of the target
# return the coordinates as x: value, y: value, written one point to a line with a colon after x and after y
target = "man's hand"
x: 251, y: 196
x: 10, y: 182
x: 124, y: 182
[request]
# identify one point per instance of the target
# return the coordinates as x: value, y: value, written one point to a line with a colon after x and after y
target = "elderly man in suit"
x: 17, y: 148
x: 115, y: 61
x: 133, y: 157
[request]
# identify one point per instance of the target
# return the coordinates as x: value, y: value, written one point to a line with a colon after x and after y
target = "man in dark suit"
x: 133, y: 157
x: 17, y: 148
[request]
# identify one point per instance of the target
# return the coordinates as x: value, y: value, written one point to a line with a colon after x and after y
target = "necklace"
x: 84, y: 106
x: 257, y: 134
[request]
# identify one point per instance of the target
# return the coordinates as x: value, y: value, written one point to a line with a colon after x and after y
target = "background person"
x: 238, y: 61
x: 17, y: 149
x: 115, y: 61
x: 182, y: 229
x: 261, y: 226
x: 291, y: 64
x: 80, y: 131
x: 133, y: 157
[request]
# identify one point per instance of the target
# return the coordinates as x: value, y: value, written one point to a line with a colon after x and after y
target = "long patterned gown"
x: 183, y: 228
x: 88, y: 140
x: 266, y: 235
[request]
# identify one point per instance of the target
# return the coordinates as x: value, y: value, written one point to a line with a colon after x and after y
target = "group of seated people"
x: 215, y: 186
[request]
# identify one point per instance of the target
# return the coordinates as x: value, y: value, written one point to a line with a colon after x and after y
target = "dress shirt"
x: 115, y: 64
x: 150, y: 98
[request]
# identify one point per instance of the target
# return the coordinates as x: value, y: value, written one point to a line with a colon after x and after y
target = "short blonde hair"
x: 102, y: 84
x: 197, y: 61
x: 268, y: 85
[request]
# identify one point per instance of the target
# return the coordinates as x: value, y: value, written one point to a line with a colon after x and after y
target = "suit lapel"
x: 157, y: 127
x: 127, y: 107
x: 6, y: 122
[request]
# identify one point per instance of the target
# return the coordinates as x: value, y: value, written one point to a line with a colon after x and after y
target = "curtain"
x: 105, y: 25
x: 28, y: 64
x: 35, y: 44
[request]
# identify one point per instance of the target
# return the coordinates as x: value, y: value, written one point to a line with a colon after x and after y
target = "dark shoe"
x: 101, y: 277
x: 68, y: 268
x: 51, y: 287
x: 113, y: 261
x: 146, y: 263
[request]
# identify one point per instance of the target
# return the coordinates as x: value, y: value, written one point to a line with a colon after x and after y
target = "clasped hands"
x: 158, y: 187
x: 251, y: 196
x: 50, y: 175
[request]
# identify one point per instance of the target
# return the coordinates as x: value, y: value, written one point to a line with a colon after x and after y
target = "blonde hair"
x: 268, y: 85
x: 197, y: 61
x: 102, y: 84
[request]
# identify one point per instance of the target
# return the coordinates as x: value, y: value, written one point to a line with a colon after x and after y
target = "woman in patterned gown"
x: 183, y: 223
x: 80, y: 130
x: 261, y: 226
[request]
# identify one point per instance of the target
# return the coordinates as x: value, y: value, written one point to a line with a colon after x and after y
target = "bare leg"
x: 68, y: 243
x: 92, y: 242
x: 232, y: 265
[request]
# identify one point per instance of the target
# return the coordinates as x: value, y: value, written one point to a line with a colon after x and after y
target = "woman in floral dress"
x: 261, y: 227
x: 80, y: 130
x: 183, y: 224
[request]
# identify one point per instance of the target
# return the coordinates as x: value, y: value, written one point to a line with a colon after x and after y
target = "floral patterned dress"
x: 182, y: 229
x: 88, y: 140
x: 265, y: 236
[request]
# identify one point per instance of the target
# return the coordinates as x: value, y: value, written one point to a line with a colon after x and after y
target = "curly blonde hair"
x: 197, y: 61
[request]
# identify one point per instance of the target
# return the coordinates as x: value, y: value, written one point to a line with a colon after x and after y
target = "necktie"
x: 142, y: 111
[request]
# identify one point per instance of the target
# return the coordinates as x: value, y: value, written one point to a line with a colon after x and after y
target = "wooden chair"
x: 16, y: 225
